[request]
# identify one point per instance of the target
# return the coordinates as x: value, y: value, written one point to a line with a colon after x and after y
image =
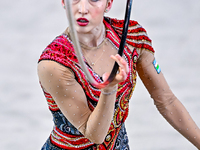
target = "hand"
x: 123, y: 71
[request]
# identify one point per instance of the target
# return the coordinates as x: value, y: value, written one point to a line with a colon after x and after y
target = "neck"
x: 93, y: 38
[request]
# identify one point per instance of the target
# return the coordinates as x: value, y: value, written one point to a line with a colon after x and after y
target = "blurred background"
x: 27, y: 27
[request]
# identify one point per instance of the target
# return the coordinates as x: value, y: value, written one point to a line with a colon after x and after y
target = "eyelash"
x: 94, y: 0
x: 75, y: 1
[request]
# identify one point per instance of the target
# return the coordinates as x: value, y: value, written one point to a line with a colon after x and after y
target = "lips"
x: 82, y: 21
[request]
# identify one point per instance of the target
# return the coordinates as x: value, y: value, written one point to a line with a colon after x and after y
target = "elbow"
x: 164, y: 102
x: 96, y: 137
x: 92, y: 136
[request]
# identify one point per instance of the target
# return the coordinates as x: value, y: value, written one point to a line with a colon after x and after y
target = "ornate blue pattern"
x: 120, y: 144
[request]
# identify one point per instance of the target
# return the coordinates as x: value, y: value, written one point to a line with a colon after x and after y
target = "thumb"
x: 105, y: 76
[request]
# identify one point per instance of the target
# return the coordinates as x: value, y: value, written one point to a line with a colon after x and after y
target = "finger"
x: 122, y: 63
x: 117, y: 58
x: 105, y: 76
x: 121, y: 76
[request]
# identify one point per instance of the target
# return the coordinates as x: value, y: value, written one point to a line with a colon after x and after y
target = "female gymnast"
x: 86, y: 117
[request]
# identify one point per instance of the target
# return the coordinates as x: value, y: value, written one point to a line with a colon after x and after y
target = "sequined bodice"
x: 61, y: 50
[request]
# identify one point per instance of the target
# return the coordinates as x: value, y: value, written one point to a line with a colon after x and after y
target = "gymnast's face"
x: 89, y: 14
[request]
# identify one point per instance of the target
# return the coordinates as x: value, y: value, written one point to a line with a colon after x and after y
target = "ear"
x: 109, y: 5
x: 63, y: 3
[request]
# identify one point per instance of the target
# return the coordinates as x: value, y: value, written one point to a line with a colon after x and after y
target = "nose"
x: 83, y: 6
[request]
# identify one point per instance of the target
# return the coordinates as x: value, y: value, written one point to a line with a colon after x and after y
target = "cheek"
x: 98, y: 12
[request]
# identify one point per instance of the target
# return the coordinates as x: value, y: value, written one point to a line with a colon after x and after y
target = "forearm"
x: 100, y: 119
x: 176, y: 114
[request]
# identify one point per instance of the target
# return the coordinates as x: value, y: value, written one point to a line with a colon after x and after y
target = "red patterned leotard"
x: 138, y: 52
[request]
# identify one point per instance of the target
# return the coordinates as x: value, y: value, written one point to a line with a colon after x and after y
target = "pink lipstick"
x: 82, y: 21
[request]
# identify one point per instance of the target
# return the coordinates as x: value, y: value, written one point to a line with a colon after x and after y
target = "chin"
x: 83, y: 29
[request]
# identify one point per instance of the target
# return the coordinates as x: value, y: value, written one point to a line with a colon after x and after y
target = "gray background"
x: 26, y: 27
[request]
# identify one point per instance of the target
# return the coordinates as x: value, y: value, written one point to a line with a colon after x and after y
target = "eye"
x: 75, y: 1
x: 94, y: 0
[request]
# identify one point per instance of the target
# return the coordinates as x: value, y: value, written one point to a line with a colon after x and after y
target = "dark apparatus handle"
x: 123, y: 40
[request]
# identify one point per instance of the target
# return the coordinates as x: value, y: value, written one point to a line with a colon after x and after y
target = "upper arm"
x: 154, y: 80
x: 60, y: 82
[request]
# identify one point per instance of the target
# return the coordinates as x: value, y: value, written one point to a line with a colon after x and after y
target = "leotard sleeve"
x: 166, y: 102
x: 70, y: 97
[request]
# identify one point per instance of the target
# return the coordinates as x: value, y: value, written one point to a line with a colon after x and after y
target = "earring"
x: 64, y: 7
x: 106, y: 10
